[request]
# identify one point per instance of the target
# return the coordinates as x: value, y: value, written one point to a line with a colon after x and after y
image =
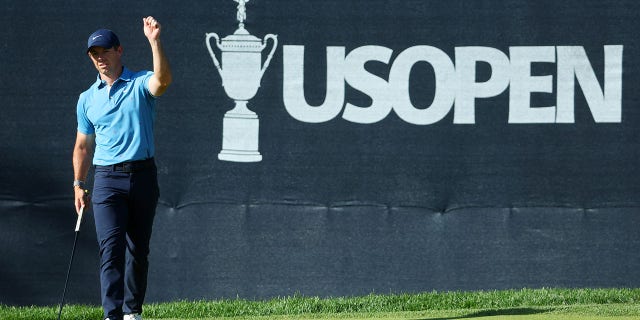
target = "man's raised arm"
x: 161, y: 78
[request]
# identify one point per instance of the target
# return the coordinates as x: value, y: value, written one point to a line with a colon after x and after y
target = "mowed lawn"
x: 525, y: 304
x: 582, y: 312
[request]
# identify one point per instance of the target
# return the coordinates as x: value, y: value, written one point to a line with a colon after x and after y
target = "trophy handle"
x: 273, y: 49
x: 213, y: 55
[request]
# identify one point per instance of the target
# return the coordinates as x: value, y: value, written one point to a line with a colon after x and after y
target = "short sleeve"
x: 145, y: 83
x: 84, y: 125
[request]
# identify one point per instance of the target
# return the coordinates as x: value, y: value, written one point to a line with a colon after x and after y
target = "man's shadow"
x: 497, y: 312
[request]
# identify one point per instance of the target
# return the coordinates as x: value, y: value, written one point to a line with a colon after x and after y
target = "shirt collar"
x: 125, y: 76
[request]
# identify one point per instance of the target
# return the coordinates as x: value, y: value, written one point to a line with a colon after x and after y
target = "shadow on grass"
x: 497, y: 312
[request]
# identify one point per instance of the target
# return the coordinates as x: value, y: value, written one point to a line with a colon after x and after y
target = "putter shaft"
x: 73, y: 251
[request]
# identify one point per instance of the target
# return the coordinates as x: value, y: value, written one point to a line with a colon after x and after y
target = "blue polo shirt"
x: 121, y: 118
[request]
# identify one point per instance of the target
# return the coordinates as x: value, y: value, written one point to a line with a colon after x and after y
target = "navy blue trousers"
x: 124, y: 206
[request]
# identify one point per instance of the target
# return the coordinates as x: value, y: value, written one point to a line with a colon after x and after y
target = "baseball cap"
x: 103, y: 38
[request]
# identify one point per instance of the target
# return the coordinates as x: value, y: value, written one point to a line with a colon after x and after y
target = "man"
x: 115, y: 127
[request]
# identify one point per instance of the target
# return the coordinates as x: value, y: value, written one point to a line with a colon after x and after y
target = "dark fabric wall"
x: 336, y: 207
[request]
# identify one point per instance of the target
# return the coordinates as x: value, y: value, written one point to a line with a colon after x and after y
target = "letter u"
x: 293, y: 94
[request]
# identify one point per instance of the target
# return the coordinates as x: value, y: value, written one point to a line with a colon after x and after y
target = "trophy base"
x: 240, y: 131
x: 239, y: 156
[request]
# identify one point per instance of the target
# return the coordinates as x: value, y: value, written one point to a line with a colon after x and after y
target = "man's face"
x: 106, y: 60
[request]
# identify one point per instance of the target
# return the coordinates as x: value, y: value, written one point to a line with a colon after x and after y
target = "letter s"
x: 375, y: 87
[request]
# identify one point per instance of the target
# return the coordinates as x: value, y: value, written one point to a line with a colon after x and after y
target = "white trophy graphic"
x: 241, y: 71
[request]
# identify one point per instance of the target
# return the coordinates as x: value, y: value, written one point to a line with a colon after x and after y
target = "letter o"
x: 445, y: 91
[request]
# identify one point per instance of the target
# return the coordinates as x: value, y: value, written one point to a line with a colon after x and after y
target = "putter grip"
x: 79, y: 219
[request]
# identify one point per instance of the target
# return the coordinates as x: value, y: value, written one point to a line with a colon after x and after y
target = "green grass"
x: 495, y: 305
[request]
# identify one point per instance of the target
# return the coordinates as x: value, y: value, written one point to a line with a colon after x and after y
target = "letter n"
x: 605, y: 104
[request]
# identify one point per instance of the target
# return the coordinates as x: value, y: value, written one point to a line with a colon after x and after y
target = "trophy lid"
x: 241, y: 40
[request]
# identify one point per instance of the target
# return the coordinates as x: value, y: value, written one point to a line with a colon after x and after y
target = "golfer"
x: 115, y: 128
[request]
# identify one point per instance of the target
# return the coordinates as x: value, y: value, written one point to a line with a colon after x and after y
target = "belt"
x: 129, y: 166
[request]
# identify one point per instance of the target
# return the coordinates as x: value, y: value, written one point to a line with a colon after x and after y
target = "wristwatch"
x: 78, y: 183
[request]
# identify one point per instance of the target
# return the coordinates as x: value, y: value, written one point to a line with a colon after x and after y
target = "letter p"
x: 468, y: 89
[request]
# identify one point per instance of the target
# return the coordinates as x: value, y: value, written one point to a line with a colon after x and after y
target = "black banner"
x: 339, y: 147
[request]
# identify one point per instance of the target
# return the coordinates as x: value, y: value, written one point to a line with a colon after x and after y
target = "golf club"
x: 71, y: 261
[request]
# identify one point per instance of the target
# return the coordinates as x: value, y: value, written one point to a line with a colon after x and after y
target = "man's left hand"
x: 151, y: 28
